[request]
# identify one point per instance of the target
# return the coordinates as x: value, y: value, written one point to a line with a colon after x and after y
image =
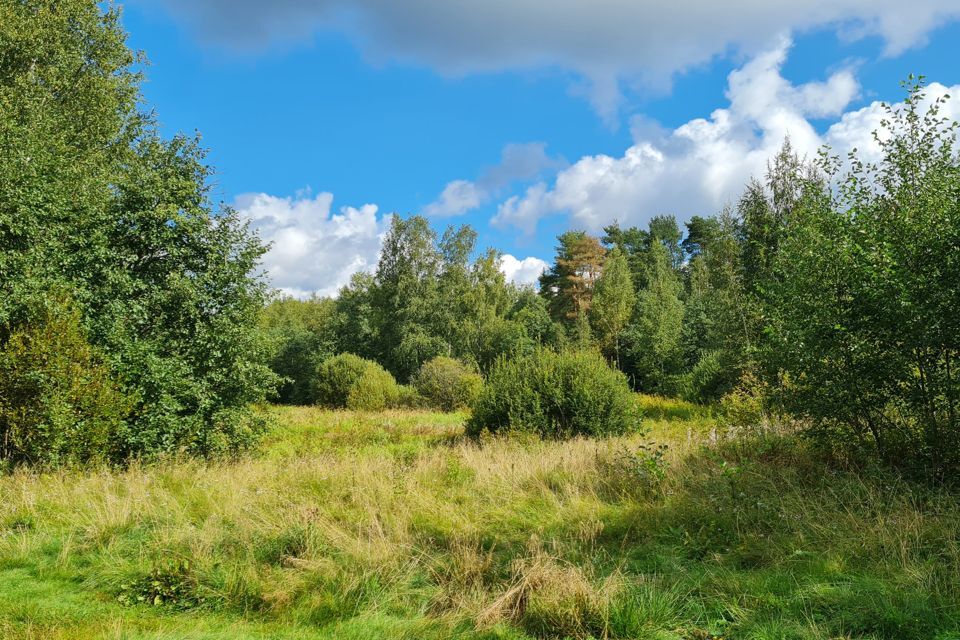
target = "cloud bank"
x: 705, y: 163
x: 522, y: 272
x: 609, y: 42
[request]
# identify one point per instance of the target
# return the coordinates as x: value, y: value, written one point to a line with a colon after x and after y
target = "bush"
x: 410, y: 398
x: 58, y: 400
x: 349, y: 381
x: 745, y: 405
x: 555, y: 395
x: 448, y: 384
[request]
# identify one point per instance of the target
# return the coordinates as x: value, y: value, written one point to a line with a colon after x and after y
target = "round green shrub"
x: 59, y: 403
x: 349, y: 381
x: 447, y: 384
x: 556, y: 395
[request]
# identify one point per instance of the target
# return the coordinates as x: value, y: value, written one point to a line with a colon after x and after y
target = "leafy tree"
x: 666, y: 230
x: 59, y: 402
x: 95, y: 202
x: 867, y: 288
x: 355, y: 323
x: 613, y: 303
x: 303, y: 333
x: 721, y: 319
x: 634, y: 244
x: 529, y: 312
x: 701, y: 233
x: 405, y: 297
x: 653, y: 340
x: 766, y: 210
x: 480, y: 330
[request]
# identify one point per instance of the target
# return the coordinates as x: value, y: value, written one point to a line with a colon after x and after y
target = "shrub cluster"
x: 447, y: 384
x: 58, y: 400
x: 556, y: 395
x: 351, y: 382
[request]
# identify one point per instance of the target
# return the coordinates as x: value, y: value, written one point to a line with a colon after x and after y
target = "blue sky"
x: 516, y: 120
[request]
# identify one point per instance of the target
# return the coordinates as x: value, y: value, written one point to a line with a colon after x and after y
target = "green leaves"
x: 95, y: 203
x: 555, y: 395
x: 866, y: 292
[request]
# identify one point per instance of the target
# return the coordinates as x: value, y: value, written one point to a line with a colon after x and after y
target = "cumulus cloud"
x: 522, y: 272
x: 608, y: 42
x: 705, y: 163
x: 518, y: 163
x: 314, y: 250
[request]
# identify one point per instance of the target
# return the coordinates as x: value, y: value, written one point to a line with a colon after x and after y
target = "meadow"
x: 394, y: 525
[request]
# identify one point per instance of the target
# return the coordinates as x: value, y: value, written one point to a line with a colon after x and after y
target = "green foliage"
x: 613, y: 303
x: 555, y: 395
x: 170, y: 584
x: 653, y: 344
x: 746, y: 404
x: 864, y: 304
x: 567, y: 286
x: 447, y: 384
x: 349, y: 381
x: 94, y: 202
x: 59, y: 402
x: 302, y: 333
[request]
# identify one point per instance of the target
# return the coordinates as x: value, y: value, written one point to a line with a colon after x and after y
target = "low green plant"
x: 349, y: 381
x: 555, y: 395
x: 170, y: 584
x: 448, y: 384
x: 745, y: 405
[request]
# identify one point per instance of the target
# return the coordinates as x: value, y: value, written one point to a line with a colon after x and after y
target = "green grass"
x: 392, y: 525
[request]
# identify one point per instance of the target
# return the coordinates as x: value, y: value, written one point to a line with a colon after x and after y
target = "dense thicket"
x: 96, y: 204
x: 132, y: 322
x: 429, y: 297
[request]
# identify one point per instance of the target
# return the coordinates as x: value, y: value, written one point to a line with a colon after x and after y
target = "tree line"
x: 827, y: 293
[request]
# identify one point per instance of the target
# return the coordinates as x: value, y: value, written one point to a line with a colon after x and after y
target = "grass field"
x: 393, y: 525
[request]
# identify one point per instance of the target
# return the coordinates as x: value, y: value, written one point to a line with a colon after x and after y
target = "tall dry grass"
x: 347, y: 515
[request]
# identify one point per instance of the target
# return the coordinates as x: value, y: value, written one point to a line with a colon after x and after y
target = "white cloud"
x: 525, y: 271
x: 704, y: 164
x: 518, y: 163
x: 314, y: 251
x: 608, y: 42
x: 457, y: 198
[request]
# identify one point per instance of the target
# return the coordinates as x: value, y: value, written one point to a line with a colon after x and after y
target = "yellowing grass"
x: 394, y: 525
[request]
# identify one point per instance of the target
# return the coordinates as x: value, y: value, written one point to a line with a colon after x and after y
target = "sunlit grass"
x: 392, y: 525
